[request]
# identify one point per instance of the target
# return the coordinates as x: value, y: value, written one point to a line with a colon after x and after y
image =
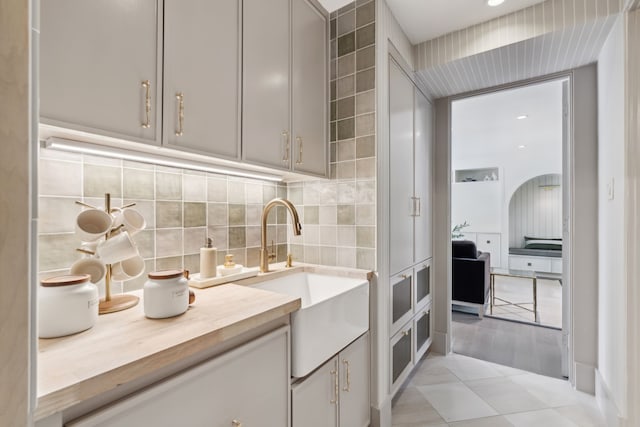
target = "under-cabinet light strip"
x: 136, y: 156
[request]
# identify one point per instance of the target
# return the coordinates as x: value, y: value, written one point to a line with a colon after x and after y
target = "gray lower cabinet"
x: 99, y: 67
x: 248, y: 386
x: 202, y: 45
x: 337, y: 393
x: 284, y: 95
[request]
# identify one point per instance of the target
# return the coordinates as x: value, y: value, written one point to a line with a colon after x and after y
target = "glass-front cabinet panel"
x: 401, y: 355
x: 401, y: 300
x: 423, y: 283
x: 422, y: 326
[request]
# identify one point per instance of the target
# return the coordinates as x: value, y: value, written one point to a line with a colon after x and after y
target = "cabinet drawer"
x: 422, y: 327
x: 423, y: 284
x: 401, y: 299
x: 556, y: 265
x: 529, y: 263
x: 249, y: 384
x: 401, y: 356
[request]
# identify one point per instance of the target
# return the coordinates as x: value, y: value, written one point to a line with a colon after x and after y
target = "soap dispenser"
x: 208, y: 260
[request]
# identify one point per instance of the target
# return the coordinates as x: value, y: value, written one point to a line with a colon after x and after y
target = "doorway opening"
x: 508, y: 198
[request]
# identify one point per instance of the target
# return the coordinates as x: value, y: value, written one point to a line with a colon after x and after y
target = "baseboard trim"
x: 585, y: 378
x: 381, y: 417
x: 606, y: 404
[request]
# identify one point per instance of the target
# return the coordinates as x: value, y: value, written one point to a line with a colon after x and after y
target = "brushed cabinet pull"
x: 419, y: 209
x: 285, y: 142
x: 405, y: 333
x: 146, y: 84
x: 236, y: 423
x: 299, y: 141
x: 404, y: 276
x: 348, y: 375
x: 180, y: 100
x: 336, y: 387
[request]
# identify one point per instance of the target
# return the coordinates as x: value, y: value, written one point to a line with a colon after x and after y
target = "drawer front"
x: 423, y: 284
x: 490, y: 242
x: 422, y: 327
x: 401, y: 299
x: 556, y: 265
x: 401, y: 355
x: 529, y: 263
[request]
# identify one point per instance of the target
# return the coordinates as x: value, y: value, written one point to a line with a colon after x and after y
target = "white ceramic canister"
x: 66, y: 305
x: 166, y: 294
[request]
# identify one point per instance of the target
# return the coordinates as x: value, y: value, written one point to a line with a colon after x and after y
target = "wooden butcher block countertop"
x: 126, y: 346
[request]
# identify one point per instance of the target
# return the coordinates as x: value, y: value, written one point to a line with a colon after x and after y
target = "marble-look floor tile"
x: 456, y: 402
x: 499, y: 421
x: 544, y: 417
x: 505, y: 396
x: 427, y: 375
x: 552, y: 391
x: 582, y: 415
x: 413, y: 409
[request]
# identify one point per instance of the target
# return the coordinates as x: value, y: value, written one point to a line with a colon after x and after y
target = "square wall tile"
x: 220, y: 237
x: 346, y: 215
x: 328, y: 215
x: 365, y: 36
x: 169, y: 263
x: 365, y: 14
x: 194, y: 188
x: 346, y: 150
x: 346, y: 23
x: 253, y: 192
x: 146, y: 208
x: 365, y: 146
x: 345, y: 108
x: 345, y: 86
x: 366, y: 168
x: 57, y: 178
x: 168, y: 214
x: 365, y: 236
x: 57, y: 214
x: 138, y: 184
x: 236, y: 191
x: 98, y: 180
x: 346, y: 129
x: 168, y: 186
x: 254, y: 214
x: 217, y: 214
x: 57, y: 251
x: 194, y: 239
x: 168, y: 243
x: 346, y: 44
x: 365, y: 58
x: 195, y: 214
x: 146, y: 242
x: 268, y: 192
x: 346, y: 65
x: 366, y: 102
x: 310, y: 215
x: 216, y: 190
x: 365, y: 80
x: 237, y: 215
x: 237, y: 237
x: 366, y: 259
x: 191, y: 263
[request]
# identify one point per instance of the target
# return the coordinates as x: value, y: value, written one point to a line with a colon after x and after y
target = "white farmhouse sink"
x: 334, y: 312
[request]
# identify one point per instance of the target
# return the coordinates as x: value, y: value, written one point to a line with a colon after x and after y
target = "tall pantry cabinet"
x: 410, y: 223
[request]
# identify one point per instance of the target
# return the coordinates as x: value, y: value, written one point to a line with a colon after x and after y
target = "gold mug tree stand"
x: 112, y: 303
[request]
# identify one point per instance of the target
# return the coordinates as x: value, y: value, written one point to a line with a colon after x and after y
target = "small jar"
x: 166, y: 294
x: 66, y: 305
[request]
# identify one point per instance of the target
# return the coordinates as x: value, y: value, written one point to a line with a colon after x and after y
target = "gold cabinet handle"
x: 404, y: 276
x: 336, y: 387
x: 180, y: 100
x: 299, y: 141
x: 405, y: 333
x: 285, y: 143
x: 419, y: 209
x: 348, y: 375
x: 146, y: 84
x: 236, y: 423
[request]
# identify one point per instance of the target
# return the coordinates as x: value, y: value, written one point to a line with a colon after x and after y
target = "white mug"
x: 92, y: 224
x: 117, y: 248
x: 132, y: 220
x: 127, y: 269
x: 91, y: 266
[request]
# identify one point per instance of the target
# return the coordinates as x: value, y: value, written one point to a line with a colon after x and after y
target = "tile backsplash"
x: 181, y: 209
x: 339, y: 215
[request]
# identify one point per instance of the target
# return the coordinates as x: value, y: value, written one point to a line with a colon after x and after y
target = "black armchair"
x: 471, y: 270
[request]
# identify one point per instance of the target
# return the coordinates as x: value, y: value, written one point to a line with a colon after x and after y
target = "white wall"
x: 612, y: 319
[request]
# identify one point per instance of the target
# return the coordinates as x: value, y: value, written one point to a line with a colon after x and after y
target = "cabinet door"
x: 354, y: 382
x: 422, y: 326
x: 309, y: 112
x: 249, y: 385
x: 265, y: 83
x: 401, y: 356
x: 95, y: 60
x: 401, y: 202
x: 423, y: 284
x: 423, y: 160
x: 490, y: 242
x: 314, y: 401
x: 401, y: 299
x: 201, y: 76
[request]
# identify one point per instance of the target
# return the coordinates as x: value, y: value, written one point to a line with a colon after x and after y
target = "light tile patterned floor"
x: 460, y: 391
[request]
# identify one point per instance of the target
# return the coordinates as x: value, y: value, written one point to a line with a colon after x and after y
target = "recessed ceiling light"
x: 521, y: 146
x: 495, y: 2
x: 524, y: 116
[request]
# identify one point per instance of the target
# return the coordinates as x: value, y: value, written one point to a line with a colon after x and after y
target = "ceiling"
x: 487, y: 125
x: 424, y: 20
x: 332, y: 5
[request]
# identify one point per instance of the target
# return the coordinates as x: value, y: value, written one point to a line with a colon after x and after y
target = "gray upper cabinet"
x: 423, y: 180
x: 284, y: 96
x: 99, y: 67
x: 266, y: 138
x: 309, y: 89
x: 202, y: 76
